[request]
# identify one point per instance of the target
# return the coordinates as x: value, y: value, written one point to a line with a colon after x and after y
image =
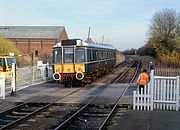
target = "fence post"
x: 134, y: 100
x: 46, y: 71
x: 177, y: 94
x: 13, y: 80
x: 151, y: 88
x: 2, y: 86
x: 32, y: 75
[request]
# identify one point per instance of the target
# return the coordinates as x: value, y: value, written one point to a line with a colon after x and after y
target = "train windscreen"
x: 68, y: 55
x: 10, y: 61
x: 80, y: 54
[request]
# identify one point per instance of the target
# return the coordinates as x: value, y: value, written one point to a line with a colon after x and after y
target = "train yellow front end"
x: 67, y: 68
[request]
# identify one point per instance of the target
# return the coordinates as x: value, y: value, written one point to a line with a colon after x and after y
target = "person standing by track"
x: 142, y: 80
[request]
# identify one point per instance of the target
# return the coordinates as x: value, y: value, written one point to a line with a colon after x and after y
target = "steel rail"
x: 125, y: 72
x: 16, y: 122
x: 62, y: 125
x: 18, y: 106
x: 66, y: 122
x: 118, y: 101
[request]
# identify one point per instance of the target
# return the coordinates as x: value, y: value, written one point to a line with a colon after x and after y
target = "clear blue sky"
x: 124, y: 23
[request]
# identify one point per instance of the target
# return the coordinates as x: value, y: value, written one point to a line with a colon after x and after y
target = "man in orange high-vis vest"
x: 142, y: 80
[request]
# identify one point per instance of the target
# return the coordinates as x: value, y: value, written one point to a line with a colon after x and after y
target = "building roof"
x: 49, y: 32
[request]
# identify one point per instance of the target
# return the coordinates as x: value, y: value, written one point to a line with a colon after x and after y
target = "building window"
x: 36, y: 53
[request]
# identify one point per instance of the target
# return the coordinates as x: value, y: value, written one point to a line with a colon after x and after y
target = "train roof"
x: 79, y: 42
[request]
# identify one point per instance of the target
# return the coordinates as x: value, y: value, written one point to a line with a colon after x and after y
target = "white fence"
x: 160, y: 93
x: 167, y: 71
x: 2, y: 86
x: 30, y: 76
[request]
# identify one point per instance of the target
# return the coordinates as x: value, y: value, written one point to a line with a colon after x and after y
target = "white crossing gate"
x: 2, y: 86
x: 141, y: 101
x: 161, y: 93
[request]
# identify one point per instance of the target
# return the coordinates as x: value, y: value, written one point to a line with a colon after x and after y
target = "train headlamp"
x: 79, y: 75
x: 56, y: 76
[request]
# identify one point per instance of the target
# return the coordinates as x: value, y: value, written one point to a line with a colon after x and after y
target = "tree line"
x: 163, y: 38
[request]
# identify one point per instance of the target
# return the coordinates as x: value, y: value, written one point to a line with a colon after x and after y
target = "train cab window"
x: 80, y: 55
x: 68, y: 55
x: 1, y: 62
x: 57, y: 55
x: 2, y: 65
x: 10, y: 61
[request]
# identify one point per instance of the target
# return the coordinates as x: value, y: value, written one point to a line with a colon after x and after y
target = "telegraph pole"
x: 88, y: 39
x: 102, y: 39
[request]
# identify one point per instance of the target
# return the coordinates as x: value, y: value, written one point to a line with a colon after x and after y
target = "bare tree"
x: 164, y: 31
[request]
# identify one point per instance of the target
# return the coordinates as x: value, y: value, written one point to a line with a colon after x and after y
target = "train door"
x: 68, y: 60
x: 68, y: 66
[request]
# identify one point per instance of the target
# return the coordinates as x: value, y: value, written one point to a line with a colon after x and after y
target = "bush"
x: 171, y: 59
x: 7, y: 46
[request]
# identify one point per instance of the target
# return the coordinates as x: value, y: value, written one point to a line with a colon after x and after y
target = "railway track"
x: 94, y: 117
x: 20, y: 114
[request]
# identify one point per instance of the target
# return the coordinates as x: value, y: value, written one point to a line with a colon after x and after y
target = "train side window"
x: 106, y: 55
x: 99, y: 55
x: 94, y: 55
x: 89, y: 55
x: 111, y: 56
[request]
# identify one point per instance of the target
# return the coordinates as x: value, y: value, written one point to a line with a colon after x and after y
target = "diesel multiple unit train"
x: 76, y: 61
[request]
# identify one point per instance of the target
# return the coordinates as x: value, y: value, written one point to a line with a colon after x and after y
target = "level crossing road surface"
x: 109, y: 93
x: 129, y: 120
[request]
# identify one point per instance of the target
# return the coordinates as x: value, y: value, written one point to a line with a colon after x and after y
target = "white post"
x: 13, y: 79
x: 177, y: 94
x: 134, y: 100
x: 46, y: 71
x: 151, y: 86
x: 2, y: 86
x: 32, y: 74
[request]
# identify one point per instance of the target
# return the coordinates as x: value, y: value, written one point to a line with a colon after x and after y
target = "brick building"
x: 37, y: 40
